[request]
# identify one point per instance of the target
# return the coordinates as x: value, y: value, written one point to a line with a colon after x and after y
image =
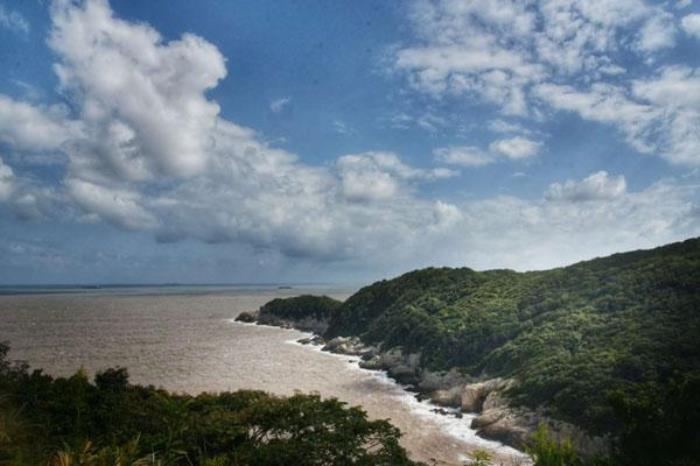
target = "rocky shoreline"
x: 459, y: 393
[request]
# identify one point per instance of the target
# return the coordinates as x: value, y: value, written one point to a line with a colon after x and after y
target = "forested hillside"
x: 571, y: 337
x: 580, y: 341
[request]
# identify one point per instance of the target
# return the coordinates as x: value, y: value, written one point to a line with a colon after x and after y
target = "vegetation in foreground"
x: 71, y: 421
x: 48, y: 421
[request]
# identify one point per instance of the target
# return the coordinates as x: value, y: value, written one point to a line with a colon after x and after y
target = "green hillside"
x: 571, y: 336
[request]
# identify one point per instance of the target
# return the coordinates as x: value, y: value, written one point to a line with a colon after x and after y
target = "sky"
x: 311, y: 141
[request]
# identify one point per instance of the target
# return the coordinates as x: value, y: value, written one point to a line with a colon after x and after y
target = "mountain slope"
x: 570, y: 336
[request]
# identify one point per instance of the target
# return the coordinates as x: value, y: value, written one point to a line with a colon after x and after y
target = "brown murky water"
x: 189, y: 343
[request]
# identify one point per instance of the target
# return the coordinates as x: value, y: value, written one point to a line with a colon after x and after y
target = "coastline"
x: 481, y: 404
x: 451, y: 420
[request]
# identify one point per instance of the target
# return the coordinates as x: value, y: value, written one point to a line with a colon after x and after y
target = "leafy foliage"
x: 479, y: 458
x: 71, y: 421
x: 547, y: 452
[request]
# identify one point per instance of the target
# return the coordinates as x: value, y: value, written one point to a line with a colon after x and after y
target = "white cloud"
x: 6, y: 181
x: 658, y: 33
x: 495, y: 49
x: 380, y: 175
x: 26, y: 127
x: 153, y: 154
x: 691, y: 24
x: 114, y: 205
x: 596, y: 187
x: 466, y: 156
x: 541, y: 234
x: 520, y: 55
x: 675, y: 87
x: 278, y: 105
x: 142, y: 100
x: 659, y: 115
x: 13, y: 21
x: 515, y: 148
x: 676, y: 93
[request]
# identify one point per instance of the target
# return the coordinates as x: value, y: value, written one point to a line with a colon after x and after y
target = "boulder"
x: 507, y: 429
x: 333, y: 344
x: 451, y: 397
x: 472, y: 397
x: 317, y: 340
x: 475, y: 395
x: 431, y: 381
x: 403, y: 373
x: 374, y: 364
x: 487, y: 418
x: 343, y: 345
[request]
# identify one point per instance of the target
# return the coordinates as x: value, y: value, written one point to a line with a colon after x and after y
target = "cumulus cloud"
x: 26, y: 127
x: 596, y: 187
x: 150, y: 152
x: 121, y: 207
x: 142, y: 100
x: 380, y: 175
x: 515, y: 148
x: 691, y: 24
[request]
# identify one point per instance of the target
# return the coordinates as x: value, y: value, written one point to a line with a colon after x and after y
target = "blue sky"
x: 224, y: 141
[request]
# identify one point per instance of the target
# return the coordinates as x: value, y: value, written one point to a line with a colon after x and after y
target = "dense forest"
x: 571, y: 336
x: 46, y: 421
x: 611, y: 345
